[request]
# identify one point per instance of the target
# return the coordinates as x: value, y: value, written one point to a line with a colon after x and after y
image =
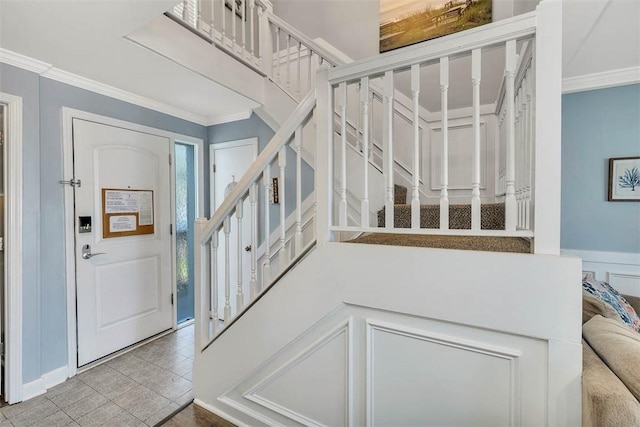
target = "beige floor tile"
x: 101, y: 416
x: 72, y: 396
x: 85, y: 405
x: 116, y: 388
x: 35, y: 414
x: 13, y: 410
x: 125, y: 420
x: 185, y: 398
x: 181, y: 368
x: 57, y: 419
x: 174, y: 390
x: 142, y: 402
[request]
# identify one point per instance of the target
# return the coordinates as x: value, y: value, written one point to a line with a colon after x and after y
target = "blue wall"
x: 44, y: 324
x: 597, y: 125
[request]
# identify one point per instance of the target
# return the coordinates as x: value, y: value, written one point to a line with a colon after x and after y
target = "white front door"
x: 124, y: 288
x: 232, y: 160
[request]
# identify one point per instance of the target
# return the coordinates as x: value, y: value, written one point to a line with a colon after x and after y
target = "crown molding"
x: 122, y: 95
x: 50, y: 72
x: 218, y: 120
x: 606, y: 79
x: 22, y: 61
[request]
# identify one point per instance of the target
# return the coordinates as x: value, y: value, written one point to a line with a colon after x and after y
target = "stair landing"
x: 470, y: 243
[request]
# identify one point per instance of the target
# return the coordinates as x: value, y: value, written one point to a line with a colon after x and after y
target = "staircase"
x: 328, y: 333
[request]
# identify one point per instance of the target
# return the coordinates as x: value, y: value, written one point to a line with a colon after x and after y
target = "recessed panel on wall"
x: 311, y: 388
x: 421, y: 379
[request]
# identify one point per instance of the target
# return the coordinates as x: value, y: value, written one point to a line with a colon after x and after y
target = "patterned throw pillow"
x: 606, y: 293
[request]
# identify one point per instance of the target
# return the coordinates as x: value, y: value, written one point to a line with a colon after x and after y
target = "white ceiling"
x: 86, y: 37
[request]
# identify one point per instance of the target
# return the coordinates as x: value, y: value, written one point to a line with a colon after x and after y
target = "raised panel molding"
x: 620, y: 269
x: 510, y: 356
x: 341, y: 336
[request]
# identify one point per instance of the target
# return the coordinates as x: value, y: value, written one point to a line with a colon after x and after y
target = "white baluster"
x: 444, y: 193
x: 282, y: 163
x: 185, y: 11
x: 358, y: 127
x: 510, y: 198
x: 223, y: 28
x: 530, y: 139
x: 233, y: 23
x: 364, y: 100
x: 252, y: 34
x: 254, y: 290
x: 277, y: 57
x: 370, y: 157
x: 261, y: 24
x: 244, y: 26
x: 342, y: 105
x: 266, y: 269
x: 415, y: 173
x: 298, y: 147
x: 298, y: 95
x: 214, y: 280
x: 387, y: 148
x: 212, y: 20
x: 476, y: 58
x: 288, y: 70
x: 199, y: 14
x: 240, y: 293
x: 227, y: 271
x: 310, y: 53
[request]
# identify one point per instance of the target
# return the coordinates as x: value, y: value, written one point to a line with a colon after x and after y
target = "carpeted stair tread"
x: 491, y: 216
x: 399, y: 194
x: 470, y: 243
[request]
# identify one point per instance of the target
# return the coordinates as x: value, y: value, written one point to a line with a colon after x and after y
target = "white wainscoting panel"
x: 620, y: 269
x: 320, y: 377
x: 421, y: 379
x: 346, y: 339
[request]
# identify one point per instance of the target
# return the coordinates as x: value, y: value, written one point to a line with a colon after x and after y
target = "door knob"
x: 86, y: 252
x: 248, y: 248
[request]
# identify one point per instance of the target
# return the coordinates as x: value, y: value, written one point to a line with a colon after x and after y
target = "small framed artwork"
x: 624, y: 179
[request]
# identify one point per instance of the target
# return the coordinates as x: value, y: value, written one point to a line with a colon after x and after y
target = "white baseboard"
x: 45, y: 382
x: 620, y: 269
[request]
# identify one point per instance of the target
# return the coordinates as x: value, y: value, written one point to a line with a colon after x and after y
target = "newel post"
x: 548, y: 123
x: 265, y: 42
x: 324, y: 156
x: 201, y: 288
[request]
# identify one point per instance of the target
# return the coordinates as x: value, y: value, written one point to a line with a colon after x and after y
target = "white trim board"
x: 13, y: 242
x: 44, y: 383
x: 68, y: 114
x: 606, y: 79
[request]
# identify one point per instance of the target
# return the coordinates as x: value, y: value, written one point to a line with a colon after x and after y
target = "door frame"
x: 68, y: 114
x: 222, y: 145
x: 12, y: 150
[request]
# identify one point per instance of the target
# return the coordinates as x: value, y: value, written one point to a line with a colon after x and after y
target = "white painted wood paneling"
x: 621, y: 270
x: 481, y: 321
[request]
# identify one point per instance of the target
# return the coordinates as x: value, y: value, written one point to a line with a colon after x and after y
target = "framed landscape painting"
x: 624, y: 179
x: 405, y: 22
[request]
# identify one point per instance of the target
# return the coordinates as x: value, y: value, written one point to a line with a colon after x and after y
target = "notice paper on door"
x: 145, y: 206
x: 120, y: 223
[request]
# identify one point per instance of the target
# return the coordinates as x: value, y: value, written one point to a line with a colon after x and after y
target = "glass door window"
x: 185, y: 219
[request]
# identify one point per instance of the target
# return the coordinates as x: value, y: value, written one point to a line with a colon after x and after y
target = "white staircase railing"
x: 274, y: 188
x: 525, y: 42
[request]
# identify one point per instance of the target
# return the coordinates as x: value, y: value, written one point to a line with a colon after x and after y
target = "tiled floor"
x: 139, y: 388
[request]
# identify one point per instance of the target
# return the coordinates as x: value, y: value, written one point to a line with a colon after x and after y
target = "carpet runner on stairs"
x: 491, y: 218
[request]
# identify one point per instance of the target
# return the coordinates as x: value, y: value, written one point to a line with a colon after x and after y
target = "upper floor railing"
x: 527, y: 114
